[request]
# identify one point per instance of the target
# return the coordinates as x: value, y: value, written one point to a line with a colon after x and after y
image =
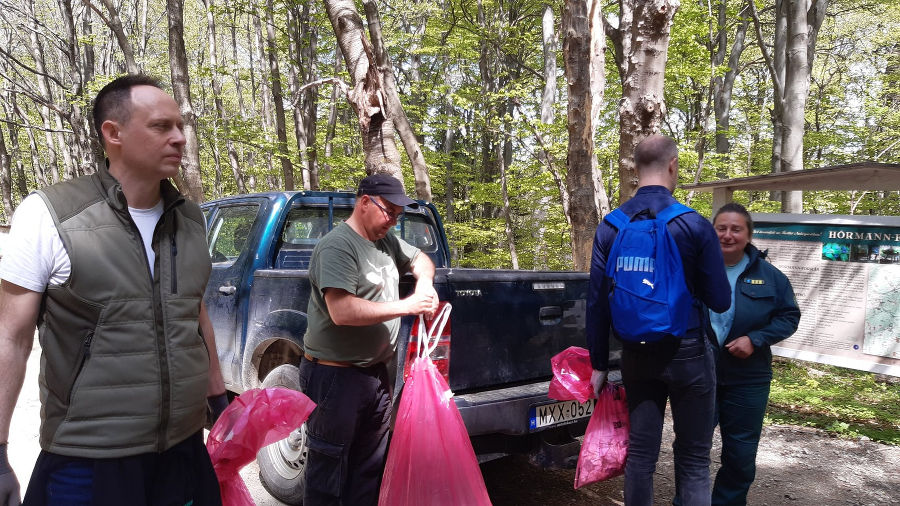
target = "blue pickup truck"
x: 495, y: 352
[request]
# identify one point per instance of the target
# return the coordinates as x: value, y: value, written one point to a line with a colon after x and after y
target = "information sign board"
x: 845, y: 271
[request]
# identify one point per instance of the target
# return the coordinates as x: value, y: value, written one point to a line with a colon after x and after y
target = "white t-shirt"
x: 34, y: 255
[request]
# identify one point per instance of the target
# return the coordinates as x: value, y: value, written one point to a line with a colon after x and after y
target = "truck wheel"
x: 281, y: 464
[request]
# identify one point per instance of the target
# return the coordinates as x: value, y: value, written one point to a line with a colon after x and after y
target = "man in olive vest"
x: 112, y: 268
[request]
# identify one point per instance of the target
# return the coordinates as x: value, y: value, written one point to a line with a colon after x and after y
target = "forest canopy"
x: 483, y: 86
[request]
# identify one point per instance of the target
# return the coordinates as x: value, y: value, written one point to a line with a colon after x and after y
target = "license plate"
x: 559, y: 413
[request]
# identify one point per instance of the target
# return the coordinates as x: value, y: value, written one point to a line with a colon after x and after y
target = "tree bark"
x: 190, y: 183
x: 262, y: 90
x: 724, y: 85
x: 368, y: 96
x: 548, y: 97
x: 20, y: 182
x: 398, y: 115
x: 796, y: 91
x: 221, y: 116
x: 578, y: 48
x: 114, y: 23
x: 507, y: 215
x: 287, y: 168
x: 37, y: 53
x: 797, y: 24
x: 5, y: 179
x: 641, y: 46
x: 332, y: 111
x: 598, y: 84
x: 302, y: 50
x: 88, y: 151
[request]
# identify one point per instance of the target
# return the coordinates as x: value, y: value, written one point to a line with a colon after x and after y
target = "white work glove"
x: 598, y: 379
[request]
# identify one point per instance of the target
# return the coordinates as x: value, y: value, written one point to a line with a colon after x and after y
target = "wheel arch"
x: 276, y: 340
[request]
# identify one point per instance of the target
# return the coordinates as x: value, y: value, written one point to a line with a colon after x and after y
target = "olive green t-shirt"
x: 370, y: 270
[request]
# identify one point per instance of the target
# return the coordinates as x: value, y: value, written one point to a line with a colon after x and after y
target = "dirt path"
x: 796, y: 465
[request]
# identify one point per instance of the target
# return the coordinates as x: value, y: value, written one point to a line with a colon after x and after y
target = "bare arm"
x: 18, y: 317
x: 216, y: 384
x: 422, y: 269
x: 346, y: 308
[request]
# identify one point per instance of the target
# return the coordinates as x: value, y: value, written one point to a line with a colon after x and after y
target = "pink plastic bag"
x: 430, y: 461
x: 571, y: 375
x: 256, y: 418
x: 605, y: 442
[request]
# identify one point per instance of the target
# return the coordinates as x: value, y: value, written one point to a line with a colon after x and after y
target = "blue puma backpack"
x: 648, y: 297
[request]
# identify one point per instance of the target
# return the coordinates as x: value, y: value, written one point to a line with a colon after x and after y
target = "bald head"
x: 656, y: 162
x: 654, y: 154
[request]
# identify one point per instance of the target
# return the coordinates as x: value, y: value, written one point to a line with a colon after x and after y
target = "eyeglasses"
x: 392, y: 216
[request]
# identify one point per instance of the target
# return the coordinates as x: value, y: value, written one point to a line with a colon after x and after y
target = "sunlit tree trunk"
x: 191, y: 184
x: 395, y: 108
x: 88, y: 152
x: 261, y: 91
x: 548, y: 97
x: 367, y: 96
x: 797, y: 24
x: 641, y: 46
x: 586, y: 79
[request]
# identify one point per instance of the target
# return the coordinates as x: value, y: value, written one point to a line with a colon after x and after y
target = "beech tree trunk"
x: 261, y: 89
x: 548, y: 97
x: 87, y: 148
x: 641, y: 46
x: 368, y: 95
x: 797, y: 24
x: 507, y: 216
x: 190, y: 183
x: 398, y: 115
x: 796, y: 91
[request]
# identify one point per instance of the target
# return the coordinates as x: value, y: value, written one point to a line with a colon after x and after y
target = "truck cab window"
x: 303, y: 228
x: 417, y: 231
x: 229, y: 232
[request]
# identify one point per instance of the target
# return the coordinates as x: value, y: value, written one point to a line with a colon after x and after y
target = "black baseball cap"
x: 386, y: 186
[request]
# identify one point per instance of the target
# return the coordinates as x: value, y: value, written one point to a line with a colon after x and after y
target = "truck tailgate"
x: 506, y: 325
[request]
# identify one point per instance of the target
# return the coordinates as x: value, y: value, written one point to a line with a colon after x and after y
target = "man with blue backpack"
x: 656, y: 267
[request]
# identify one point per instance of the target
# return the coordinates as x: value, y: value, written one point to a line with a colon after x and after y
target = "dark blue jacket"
x: 766, y: 311
x: 701, y: 256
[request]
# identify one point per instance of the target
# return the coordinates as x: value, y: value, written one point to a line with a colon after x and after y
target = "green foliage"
x: 841, y: 401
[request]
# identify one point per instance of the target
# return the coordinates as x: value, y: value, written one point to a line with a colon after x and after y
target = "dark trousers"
x: 347, y: 433
x: 682, y: 372
x: 179, y: 476
x: 741, y: 409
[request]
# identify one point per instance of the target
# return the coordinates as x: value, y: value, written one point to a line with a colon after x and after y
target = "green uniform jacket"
x: 766, y: 311
x: 124, y: 367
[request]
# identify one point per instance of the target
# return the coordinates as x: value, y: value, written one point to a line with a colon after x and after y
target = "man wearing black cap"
x: 354, y: 315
